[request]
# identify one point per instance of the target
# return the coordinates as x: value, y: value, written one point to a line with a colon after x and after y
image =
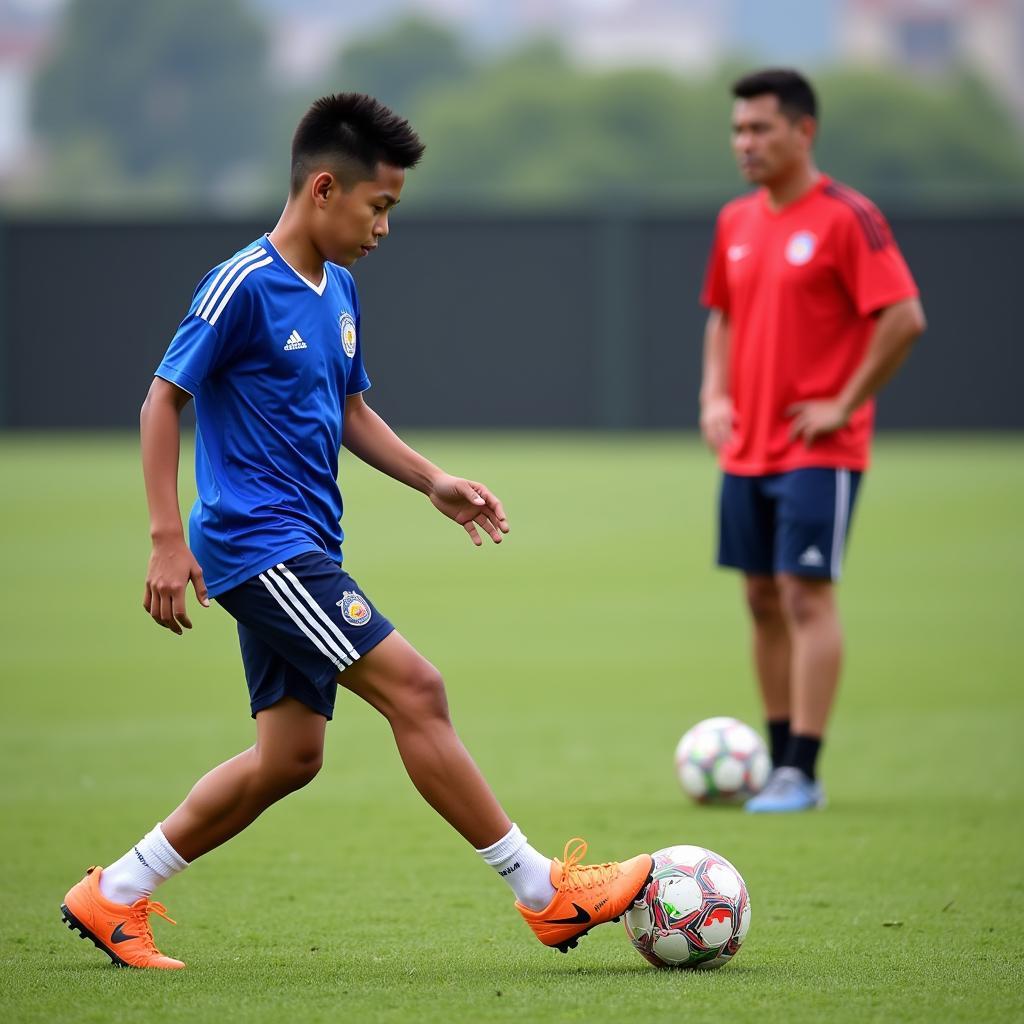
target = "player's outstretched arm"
x: 171, y: 564
x: 466, y: 502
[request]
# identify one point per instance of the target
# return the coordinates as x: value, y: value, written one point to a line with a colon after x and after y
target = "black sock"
x: 802, y: 753
x: 778, y: 739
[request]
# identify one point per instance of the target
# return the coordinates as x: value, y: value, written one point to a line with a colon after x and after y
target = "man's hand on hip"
x: 815, y: 418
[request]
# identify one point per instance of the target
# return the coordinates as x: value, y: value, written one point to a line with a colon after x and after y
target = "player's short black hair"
x: 351, y: 133
x: 795, y: 94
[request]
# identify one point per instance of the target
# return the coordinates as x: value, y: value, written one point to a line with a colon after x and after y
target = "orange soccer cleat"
x: 121, y: 931
x: 586, y: 895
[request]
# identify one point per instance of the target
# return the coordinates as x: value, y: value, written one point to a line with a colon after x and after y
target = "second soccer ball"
x: 721, y: 760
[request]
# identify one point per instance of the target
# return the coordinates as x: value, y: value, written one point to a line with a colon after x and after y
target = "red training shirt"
x: 800, y: 287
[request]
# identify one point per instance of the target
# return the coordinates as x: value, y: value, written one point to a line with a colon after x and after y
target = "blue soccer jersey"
x: 268, y: 358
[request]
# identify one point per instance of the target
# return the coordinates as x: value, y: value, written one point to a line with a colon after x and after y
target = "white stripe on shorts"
x: 348, y: 656
x: 328, y: 622
x: 842, y: 513
x: 328, y: 649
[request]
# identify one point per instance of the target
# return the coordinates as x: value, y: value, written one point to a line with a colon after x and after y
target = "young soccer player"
x: 812, y: 310
x: 270, y: 352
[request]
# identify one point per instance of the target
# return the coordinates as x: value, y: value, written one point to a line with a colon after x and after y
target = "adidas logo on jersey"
x: 294, y: 341
x: 812, y: 556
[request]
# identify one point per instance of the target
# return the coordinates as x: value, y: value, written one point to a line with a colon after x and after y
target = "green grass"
x: 575, y: 656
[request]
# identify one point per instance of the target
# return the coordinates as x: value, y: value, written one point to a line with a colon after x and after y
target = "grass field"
x: 575, y: 656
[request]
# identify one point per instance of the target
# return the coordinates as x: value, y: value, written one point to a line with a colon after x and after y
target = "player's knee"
x: 303, y: 770
x: 805, y: 601
x: 423, y: 693
x: 764, y: 602
x: 295, y: 769
x: 306, y: 767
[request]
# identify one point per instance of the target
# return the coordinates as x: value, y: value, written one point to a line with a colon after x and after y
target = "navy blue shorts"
x: 794, y: 522
x: 300, y: 623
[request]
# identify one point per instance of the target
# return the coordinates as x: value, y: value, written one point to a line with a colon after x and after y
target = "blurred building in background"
x: 26, y: 30
x: 936, y: 37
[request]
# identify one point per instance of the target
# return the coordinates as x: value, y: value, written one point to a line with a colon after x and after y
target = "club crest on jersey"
x: 800, y: 248
x: 354, y: 609
x: 348, y: 333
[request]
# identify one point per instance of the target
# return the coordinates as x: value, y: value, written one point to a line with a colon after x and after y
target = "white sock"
x: 527, y: 872
x: 151, y: 861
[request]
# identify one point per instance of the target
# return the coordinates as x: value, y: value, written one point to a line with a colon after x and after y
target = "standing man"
x: 812, y: 310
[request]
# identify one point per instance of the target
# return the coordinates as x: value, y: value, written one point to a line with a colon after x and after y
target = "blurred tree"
x: 532, y: 128
x: 917, y: 138
x: 167, y: 99
x: 403, y: 64
x: 172, y: 101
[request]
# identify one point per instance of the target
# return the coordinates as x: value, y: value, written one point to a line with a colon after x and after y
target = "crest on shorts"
x: 354, y: 608
x: 348, y: 333
x: 800, y: 248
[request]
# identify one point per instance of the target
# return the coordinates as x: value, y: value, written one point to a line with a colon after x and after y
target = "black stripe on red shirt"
x: 875, y: 229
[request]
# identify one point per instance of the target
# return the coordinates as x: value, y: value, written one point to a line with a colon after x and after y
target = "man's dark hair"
x: 794, y: 92
x: 350, y: 133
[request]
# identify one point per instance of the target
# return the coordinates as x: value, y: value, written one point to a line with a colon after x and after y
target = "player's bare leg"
x: 772, y: 655
x: 772, y: 651
x: 287, y: 755
x: 112, y: 907
x: 409, y: 692
x: 816, y: 647
x: 817, y: 642
x: 561, y: 900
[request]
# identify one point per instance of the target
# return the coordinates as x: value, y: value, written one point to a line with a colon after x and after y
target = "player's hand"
x: 171, y: 566
x: 717, y: 419
x: 471, y: 505
x: 813, y: 419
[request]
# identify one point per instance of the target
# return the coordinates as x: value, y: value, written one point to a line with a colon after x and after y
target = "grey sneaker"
x: 787, y: 790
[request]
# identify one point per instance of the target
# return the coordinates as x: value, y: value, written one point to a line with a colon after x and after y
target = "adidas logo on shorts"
x: 812, y: 557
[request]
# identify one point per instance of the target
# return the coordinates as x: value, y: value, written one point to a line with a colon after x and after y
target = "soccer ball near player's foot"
x: 721, y: 760
x: 694, y: 912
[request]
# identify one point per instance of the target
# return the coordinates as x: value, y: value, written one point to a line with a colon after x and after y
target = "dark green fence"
x: 489, y: 320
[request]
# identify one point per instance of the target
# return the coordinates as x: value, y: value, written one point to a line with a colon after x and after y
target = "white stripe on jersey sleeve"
x: 238, y: 279
x: 220, y: 274
x: 223, y: 278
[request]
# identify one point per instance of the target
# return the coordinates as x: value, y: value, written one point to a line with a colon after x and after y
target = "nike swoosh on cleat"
x: 582, y: 917
x: 117, y: 935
